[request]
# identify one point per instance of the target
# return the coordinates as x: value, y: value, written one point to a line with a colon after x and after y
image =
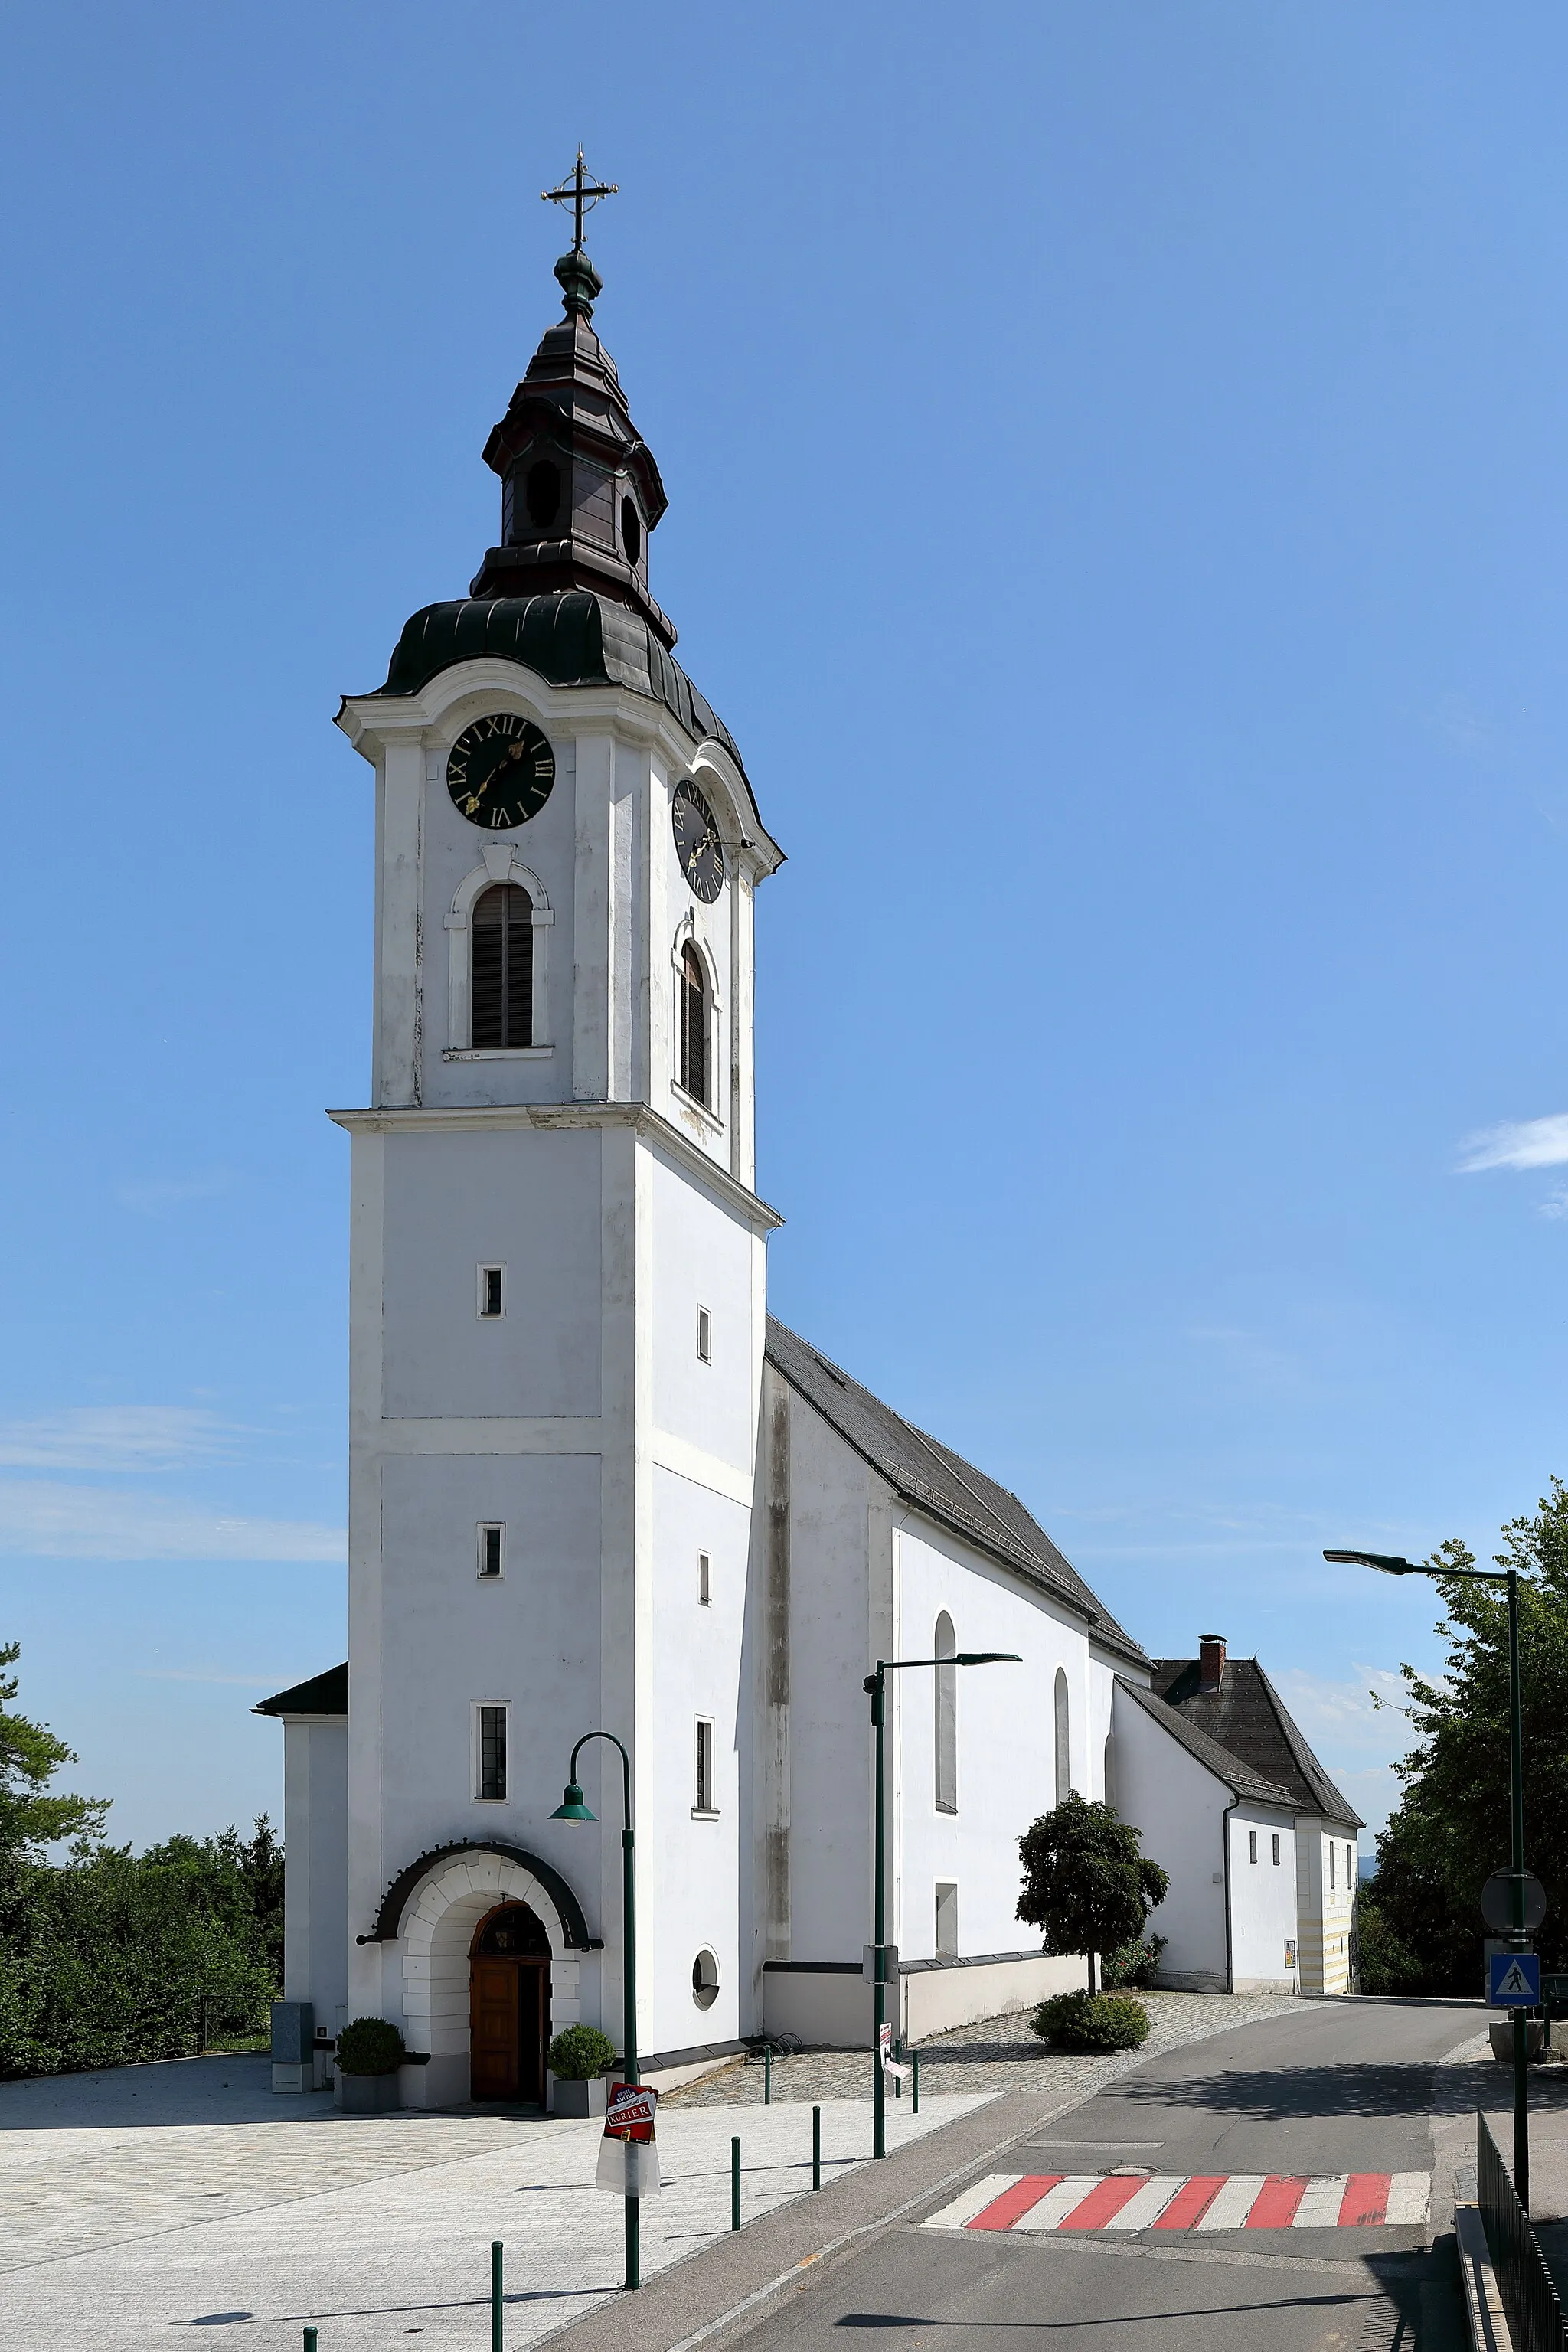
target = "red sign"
x: 630, y: 2112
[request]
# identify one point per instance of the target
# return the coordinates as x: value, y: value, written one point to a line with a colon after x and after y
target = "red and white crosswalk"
x: 1188, y: 2200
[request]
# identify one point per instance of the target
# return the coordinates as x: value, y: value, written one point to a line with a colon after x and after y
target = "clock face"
x: 499, y: 771
x: 697, y: 843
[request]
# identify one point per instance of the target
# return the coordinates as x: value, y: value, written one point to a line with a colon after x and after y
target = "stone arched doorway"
x: 442, y: 1908
x: 509, y: 2006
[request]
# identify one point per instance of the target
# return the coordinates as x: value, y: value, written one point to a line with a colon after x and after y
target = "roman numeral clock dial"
x: 697, y: 841
x: 499, y: 771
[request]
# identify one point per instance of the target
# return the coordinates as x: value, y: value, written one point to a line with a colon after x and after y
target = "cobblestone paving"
x: 999, y: 2054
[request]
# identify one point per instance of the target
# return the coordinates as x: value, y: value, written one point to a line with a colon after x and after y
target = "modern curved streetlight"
x: 1391, y: 1564
x: 572, y: 1808
x: 874, y: 1686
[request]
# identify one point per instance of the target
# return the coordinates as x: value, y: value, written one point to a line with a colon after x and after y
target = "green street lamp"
x: 874, y: 1686
x: 1390, y: 1564
x: 572, y: 1808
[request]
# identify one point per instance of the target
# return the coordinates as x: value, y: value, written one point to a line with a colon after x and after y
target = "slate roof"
x: 1237, y: 1777
x: 940, y: 1483
x: 1248, y: 1718
x: 325, y: 1694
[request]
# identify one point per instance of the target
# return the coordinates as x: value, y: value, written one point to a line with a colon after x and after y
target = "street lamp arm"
x: 625, y: 1765
x: 1392, y: 1565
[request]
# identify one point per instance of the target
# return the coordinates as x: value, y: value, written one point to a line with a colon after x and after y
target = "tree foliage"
x: 1450, y: 1829
x: 1086, y: 1883
x: 111, y: 1957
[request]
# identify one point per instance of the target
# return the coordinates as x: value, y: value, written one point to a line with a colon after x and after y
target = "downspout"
x: 1224, y: 1841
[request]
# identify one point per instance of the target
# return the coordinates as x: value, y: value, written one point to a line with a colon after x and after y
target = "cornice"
x: 641, y: 1118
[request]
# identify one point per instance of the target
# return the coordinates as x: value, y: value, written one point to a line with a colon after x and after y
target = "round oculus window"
x: 705, y: 1979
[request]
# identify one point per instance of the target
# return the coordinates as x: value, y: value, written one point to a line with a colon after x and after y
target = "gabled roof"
x: 1227, y: 1767
x: 940, y: 1483
x: 1247, y: 1716
x: 325, y: 1694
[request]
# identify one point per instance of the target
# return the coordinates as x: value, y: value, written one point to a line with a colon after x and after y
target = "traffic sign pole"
x: 1515, y: 1794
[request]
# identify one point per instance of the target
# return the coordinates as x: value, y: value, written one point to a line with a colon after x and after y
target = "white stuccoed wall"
x: 1179, y: 1808
x: 315, y: 1849
x: 1263, y: 1901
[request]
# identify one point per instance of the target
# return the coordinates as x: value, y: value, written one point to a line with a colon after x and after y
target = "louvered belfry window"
x: 503, y: 967
x: 693, y: 1024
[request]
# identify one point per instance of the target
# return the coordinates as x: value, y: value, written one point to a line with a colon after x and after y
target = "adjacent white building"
x: 594, y: 1487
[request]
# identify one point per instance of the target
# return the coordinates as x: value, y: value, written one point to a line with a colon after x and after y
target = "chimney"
x: 1211, y: 1661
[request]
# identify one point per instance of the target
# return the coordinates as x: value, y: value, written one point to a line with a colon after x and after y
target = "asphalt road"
x: 1343, y: 2087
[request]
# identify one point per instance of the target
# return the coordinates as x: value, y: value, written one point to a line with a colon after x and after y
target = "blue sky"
x: 1118, y: 490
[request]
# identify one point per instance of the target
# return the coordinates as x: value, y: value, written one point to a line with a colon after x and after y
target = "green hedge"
x: 1085, y: 2021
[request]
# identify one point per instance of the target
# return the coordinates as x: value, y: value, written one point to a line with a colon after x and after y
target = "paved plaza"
x: 155, y: 2200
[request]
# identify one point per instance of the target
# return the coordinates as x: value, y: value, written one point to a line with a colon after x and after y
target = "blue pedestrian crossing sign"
x: 1514, y: 1981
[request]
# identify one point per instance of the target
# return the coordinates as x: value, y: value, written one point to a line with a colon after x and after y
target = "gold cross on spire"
x: 582, y: 193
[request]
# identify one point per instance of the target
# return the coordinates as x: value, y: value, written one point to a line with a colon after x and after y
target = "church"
x: 595, y: 1488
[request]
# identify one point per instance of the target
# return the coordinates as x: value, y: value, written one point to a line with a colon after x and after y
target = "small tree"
x: 1085, y: 1882
x: 31, y: 1756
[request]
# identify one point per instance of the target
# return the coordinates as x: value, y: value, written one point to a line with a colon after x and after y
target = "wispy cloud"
x: 41, y: 1517
x: 114, y: 1437
x: 160, y: 1196
x: 1520, y: 1143
x: 203, y: 1675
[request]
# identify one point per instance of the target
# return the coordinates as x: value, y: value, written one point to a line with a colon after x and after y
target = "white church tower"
x: 558, y: 1299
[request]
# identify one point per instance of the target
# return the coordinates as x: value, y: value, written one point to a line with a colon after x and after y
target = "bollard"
x: 767, y: 2073
x: 496, y: 2298
x: 310, y: 2339
x: 914, y: 2081
x: 816, y: 2148
x: 735, y: 2184
x: 898, y: 2059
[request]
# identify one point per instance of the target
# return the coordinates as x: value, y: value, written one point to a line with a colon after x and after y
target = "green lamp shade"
x: 987, y: 1658
x: 572, y: 1808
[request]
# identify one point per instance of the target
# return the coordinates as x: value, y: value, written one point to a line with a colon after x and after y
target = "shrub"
x: 1132, y: 1964
x: 579, y: 2054
x: 1092, y: 2021
x: 370, y: 2046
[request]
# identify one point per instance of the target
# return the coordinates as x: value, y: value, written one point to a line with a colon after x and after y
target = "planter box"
x: 1500, y: 2035
x: 578, y: 2098
x: 365, y: 2095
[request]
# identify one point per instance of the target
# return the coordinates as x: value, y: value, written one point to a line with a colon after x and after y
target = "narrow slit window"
x: 491, y: 1291
x: 694, y: 1024
x: 493, y: 1550
x: 705, y: 1803
x: 501, y: 1001
x: 704, y: 1578
x: 1252, y: 1845
x: 1064, y: 1737
x: 1276, y: 1849
x: 1330, y: 1862
x: 492, y: 1752
x: 946, y: 1919
x: 946, y: 1647
x: 704, y: 1335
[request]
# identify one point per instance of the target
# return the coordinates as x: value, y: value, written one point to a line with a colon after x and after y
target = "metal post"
x: 767, y: 2073
x: 816, y: 2148
x: 1518, y: 1937
x: 735, y: 2184
x: 629, y: 2013
x: 914, y: 2081
x: 496, y: 2298
x: 878, y: 2003
x: 899, y: 2055
x: 310, y: 2339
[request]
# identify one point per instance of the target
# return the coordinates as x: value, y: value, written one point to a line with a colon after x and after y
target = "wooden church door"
x: 509, y: 2006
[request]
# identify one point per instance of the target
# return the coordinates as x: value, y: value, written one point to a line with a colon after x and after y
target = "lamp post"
x: 876, y: 1688
x: 1388, y: 1564
x: 572, y: 1808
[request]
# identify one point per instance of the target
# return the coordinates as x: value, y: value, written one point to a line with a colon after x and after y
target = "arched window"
x: 945, y: 1646
x: 694, y: 1054
x: 1111, y: 1770
x: 1064, y: 1739
x: 501, y: 1001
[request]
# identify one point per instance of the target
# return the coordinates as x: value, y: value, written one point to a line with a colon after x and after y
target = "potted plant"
x: 370, y: 2053
x: 579, y: 2056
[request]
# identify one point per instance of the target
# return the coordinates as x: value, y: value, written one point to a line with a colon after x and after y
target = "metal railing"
x: 1529, y: 2298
